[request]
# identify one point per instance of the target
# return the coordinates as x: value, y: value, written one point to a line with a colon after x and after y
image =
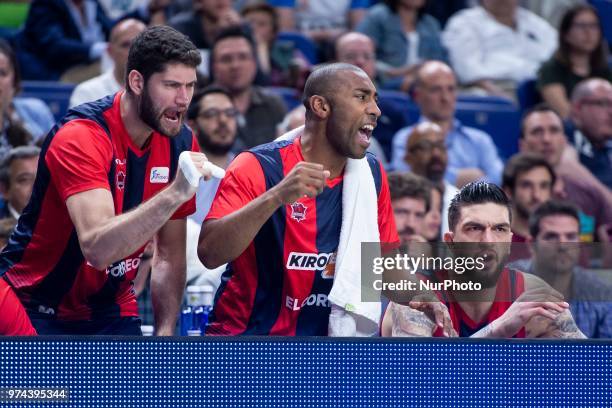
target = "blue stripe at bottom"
x: 310, y: 372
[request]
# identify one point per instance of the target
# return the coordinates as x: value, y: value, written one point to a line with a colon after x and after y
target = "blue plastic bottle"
x: 206, y: 306
x: 190, y: 315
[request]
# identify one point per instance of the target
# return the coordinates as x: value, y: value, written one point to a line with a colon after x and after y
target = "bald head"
x: 431, y: 70
x: 357, y: 49
x: 124, y: 27
x: 426, y: 151
x: 436, y: 91
x: 120, y: 40
x: 589, y: 87
x: 592, y: 110
x: 324, y: 81
x: 424, y: 131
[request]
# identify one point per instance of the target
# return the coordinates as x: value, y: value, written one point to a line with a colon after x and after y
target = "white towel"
x: 350, y: 316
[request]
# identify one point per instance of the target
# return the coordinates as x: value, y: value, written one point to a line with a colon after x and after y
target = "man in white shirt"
x: 497, y: 44
x: 213, y: 117
x: 111, y: 81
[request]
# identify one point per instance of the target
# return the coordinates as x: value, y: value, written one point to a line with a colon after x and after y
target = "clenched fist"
x: 305, y: 179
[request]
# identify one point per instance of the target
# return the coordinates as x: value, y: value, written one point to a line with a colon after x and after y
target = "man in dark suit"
x: 61, y: 34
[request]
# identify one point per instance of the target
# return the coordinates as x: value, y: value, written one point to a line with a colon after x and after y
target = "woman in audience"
x: 404, y: 36
x: 22, y: 120
x: 279, y: 61
x: 582, y: 54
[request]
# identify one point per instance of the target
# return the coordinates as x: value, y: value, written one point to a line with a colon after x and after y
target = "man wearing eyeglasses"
x: 427, y: 156
x: 213, y: 118
x: 591, y: 114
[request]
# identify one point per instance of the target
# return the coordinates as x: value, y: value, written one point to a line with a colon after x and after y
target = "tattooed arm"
x: 533, y: 310
x: 562, y: 327
x: 408, y: 322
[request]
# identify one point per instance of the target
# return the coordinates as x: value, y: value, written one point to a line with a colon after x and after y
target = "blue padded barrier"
x: 501, y: 122
x: 498, y: 117
x: 55, y: 94
x: 291, y: 96
x: 302, y: 43
x: 394, y: 107
x: 527, y: 94
x: 308, y: 372
x: 604, y: 9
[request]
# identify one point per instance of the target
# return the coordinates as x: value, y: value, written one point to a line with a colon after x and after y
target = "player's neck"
x: 139, y: 132
x: 478, y: 310
x: 316, y: 149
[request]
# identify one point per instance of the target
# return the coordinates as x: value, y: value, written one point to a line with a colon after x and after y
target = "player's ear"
x: 319, y: 106
x: 448, y: 236
x: 136, y: 81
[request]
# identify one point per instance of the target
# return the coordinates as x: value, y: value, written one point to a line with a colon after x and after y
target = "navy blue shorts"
x: 123, y: 326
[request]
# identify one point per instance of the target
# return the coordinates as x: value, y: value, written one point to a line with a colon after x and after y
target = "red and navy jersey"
x: 88, y: 149
x: 510, y: 285
x: 13, y: 320
x: 280, y: 283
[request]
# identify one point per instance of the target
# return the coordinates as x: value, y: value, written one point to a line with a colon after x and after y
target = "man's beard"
x: 489, y: 275
x: 214, y: 148
x: 435, y: 175
x: 151, y: 117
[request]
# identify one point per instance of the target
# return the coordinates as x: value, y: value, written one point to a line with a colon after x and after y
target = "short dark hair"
x: 194, y: 108
x: 158, y: 46
x: 521, y: 163
x: 260, y: 6
x: 409, y: 185
x: 234, y: 31
x: 477, y: 192
x: 551, y: 207
x: 539, y: 108
x: 16, y: 153
x: 323, y: 80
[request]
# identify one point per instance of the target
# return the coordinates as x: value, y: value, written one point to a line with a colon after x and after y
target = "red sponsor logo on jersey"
x: 298, y: 211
